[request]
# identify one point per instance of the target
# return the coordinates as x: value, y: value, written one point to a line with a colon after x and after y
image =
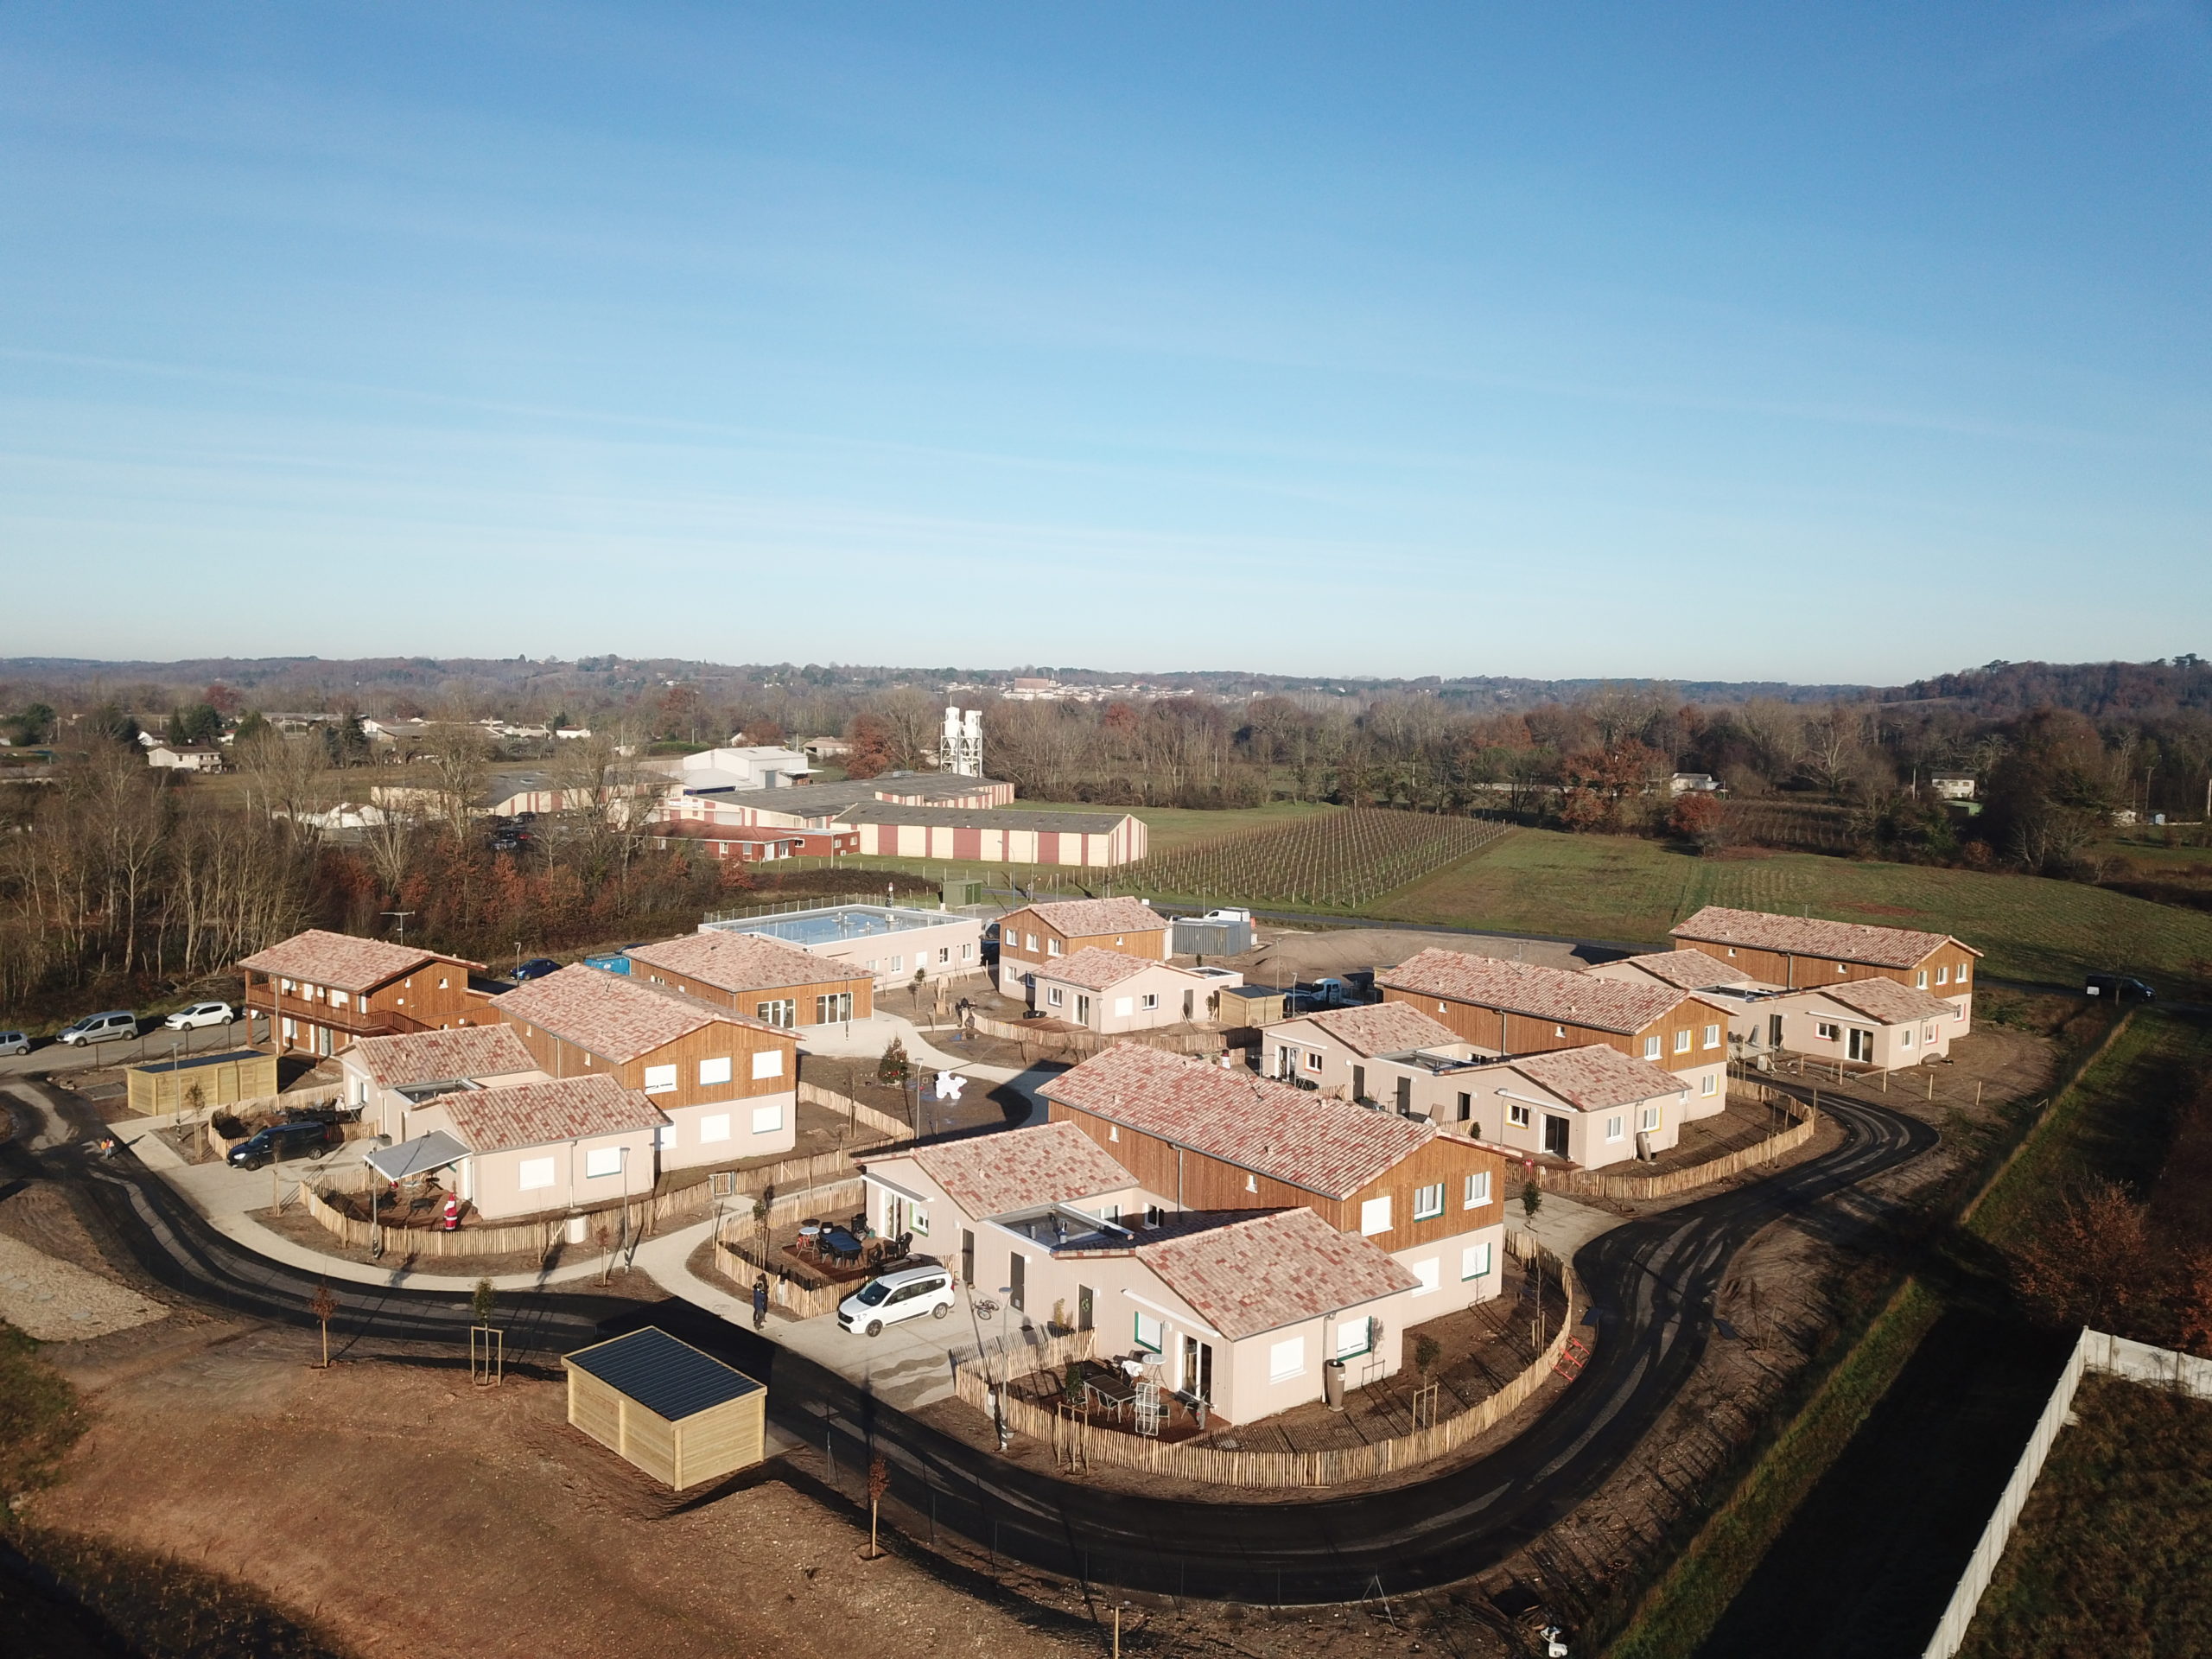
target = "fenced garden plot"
x: 1333, y: 860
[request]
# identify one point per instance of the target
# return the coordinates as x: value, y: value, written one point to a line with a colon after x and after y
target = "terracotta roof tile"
x: 343, y: 961
x: 1324, y: 1146
x: 538, y: 1114
x: 1886, y: 1000
x: 616, y: 1016
x: 1093, y: 968
x: 1541, y: 993
x: 1086, y: 918
x: 443, y: 1056
x: 1685, y: 970
x: 1248, y: 1274
x: 738, y: 962
x: 1813, y: 936
x: 1595, y: 1078
x: 1382, y: 1028
x: 993, y: 1174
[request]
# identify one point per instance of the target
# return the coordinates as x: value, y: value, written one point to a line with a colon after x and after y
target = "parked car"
x: 201, y: 1014
x: 536, y: 968
x: 100, y: 1029
x: 280, y: 1141
x: 2119, y: 988
x: 13, y: 1042
x: 906, y: 1294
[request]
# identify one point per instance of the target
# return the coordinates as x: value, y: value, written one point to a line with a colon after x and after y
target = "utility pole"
x: 398, y: 919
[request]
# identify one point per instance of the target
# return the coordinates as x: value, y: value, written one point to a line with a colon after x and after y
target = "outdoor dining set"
x: 848, y: 1244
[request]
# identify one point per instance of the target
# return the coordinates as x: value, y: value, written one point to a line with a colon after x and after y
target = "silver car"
x: 100, y: 1029
x: 13, y: 1042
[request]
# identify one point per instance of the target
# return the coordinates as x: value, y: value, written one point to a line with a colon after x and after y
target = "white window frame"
x: 769, y: 1119
x: 1713, y: 1036
x: 1650, y: 1119
x: 1960, y: 977
x: 1286, y: 1359
x: 1354, y: 1338
x: 1476, y: 1191
x: 665, y: 1138
x: 1685, y: 1039
x: 533, y: 1174
x: 1517, y: 1114
x: 1905, y: 1037
x: 1428, y: 1201
x: 1375, y: 1216
x: 1052, y: 948
x: 1476, y: 1262
x: 661, y: 1080
x: 1157, y: 1343
x: 1429, y: 1275
x: 1313, y: 1061
x: 1149, y: 1002
x: 767, y: 1063
x: 1651, y: 1048
x: 1827, y: 1031
x: 1054, y: 996
x: 1919, y: 980
x: 1617, y: 1127
x: 1122, y: 1008
x: 714, y: 1129
x: 602, y: 1161
x: 714, y: 1071
x: 1708, y: 1085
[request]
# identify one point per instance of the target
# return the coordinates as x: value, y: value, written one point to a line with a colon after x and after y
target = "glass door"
x: 1198, y: 1369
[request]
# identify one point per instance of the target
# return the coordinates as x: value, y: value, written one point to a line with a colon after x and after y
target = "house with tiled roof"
x: 1042, y: 935
x: 727, y: 1082
x: 944, y: 1194
x: 321, y: 990
x: 548, y: 1144
x: 1109, y: 993
x: 1517, y: 1008
x: 388, y: 1078
x: 1681, y: 970
x: 769, y: 979
x: 1381, y: 1053
x: 1798, y: 952
x: 1875, y: 1023
x: 1590, y: 1106
x: 1199, y: 1136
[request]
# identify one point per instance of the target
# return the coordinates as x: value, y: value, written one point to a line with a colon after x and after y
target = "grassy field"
x: 2115, y: 1550
x: 1617, y: 887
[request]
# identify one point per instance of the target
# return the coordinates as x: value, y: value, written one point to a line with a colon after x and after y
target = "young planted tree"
x: 324, y: 1307
x: 1426, y: 1351
x: 879, y: 1483
x: 893, y: 1067
x: 1532, y: 1197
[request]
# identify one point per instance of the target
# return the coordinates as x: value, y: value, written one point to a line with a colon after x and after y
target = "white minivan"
x: 906, y: 1294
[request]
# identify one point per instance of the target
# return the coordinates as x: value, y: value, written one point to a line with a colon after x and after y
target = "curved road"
x: 1656, y: 1278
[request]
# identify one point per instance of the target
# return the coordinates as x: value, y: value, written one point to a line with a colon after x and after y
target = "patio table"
x: 1111, y: 1389
x: 840, y: 1244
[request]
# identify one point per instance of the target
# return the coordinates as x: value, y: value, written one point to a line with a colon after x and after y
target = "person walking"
x: 760, y: 1302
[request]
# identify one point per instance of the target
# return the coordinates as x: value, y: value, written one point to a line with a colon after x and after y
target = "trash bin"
x: 1332, y: 1385
x: 576, y: 1226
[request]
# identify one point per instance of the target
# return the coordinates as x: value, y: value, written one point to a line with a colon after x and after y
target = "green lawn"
x: 1618, y: 887
x: 2113, y: 1553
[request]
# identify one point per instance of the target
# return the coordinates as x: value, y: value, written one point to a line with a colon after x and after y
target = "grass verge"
x: 1682, y: 1607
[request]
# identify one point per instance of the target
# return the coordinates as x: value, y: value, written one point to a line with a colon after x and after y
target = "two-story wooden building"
x: 1514, y: 1007
x: 773, y: 981
x: 1198, y: 1137
x: 320, y: 990
x: 728, y: 1083
x: 1803, y: 953
x: 1041, y: 933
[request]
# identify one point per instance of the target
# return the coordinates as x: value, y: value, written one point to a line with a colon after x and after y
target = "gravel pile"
x: 54, y: 1301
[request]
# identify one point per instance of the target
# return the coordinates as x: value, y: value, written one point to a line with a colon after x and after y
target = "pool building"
x: 889, y: 941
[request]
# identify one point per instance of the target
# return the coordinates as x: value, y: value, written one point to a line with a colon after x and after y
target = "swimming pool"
x: 812, y: 927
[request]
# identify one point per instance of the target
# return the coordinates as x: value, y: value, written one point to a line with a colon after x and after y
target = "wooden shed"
x: 1252, y: 1005
x: 223, y: 1079
x: 682, y: 1416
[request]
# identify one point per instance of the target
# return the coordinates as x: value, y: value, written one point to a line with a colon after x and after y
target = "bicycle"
x: 984, y: 1307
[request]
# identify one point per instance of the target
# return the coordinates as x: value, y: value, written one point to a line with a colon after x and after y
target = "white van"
x: 906, y: 1294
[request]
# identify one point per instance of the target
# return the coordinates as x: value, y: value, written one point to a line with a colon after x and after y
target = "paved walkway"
x: 866, y: 1039
x: 225, y: 1196
x: 1562, y: 1225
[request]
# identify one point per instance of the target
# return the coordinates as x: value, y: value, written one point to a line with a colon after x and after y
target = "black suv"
x: 2117, y: 987
x: 280, y: 1141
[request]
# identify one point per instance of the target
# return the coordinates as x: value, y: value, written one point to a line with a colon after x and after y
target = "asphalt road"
x: 1654, y: 1281
x: 156, y: 1042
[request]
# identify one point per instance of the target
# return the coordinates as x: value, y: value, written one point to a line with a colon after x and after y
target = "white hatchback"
x: 906, y: 1294
x: 201, y: 1014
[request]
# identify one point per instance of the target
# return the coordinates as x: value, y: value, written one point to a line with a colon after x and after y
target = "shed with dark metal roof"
x: 679, y: 1414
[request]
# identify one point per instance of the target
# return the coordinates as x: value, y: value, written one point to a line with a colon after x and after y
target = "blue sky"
x: 1783, y: 342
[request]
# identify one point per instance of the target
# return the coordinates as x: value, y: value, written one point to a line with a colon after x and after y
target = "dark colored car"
x: 2117, y: 987
x: 284, y: 1141
x: 536, y: 968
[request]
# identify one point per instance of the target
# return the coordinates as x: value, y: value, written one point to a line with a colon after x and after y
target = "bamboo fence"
x: 1056, y: 1045
x: 1602, y: 1184
x: 1076, y: 1441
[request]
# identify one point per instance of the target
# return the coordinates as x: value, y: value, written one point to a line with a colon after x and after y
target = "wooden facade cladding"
x: 859, y: 987
x: 1799, y: 973
x: 433, y: 997
x: 1150, y: 945
x: 558, y: 1057
x: 1195, y: 1181
x: 1521, y: 1034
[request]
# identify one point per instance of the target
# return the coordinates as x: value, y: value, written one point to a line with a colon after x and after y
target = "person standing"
x: 760, y: 1302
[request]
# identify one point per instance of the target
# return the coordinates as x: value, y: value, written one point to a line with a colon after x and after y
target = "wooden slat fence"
x: 858, y: 1112
x: 1604, y: 1184
x: 1074, y: 1440
x: 1065, y: 1044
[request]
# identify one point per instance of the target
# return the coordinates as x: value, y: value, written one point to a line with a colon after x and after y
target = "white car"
x: 906, y: 1294
x: 201, y: 1014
